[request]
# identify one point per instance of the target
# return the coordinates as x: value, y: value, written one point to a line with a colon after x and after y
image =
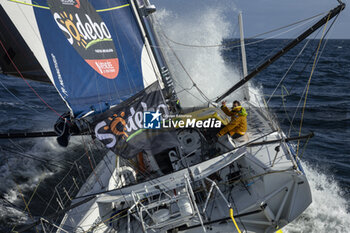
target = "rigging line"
x: 90, y: 162
x: 44, y: 161
x: 36, y: 93
x: 271, y: 37
x: 104, y: 160
x: 304, y: 148
x: 17, y: 145
x: 48, y: 8
x: 272, y: 52
x: 287, y: 72
x: 35, y: 190
x: 324, y: 45
x: 302, y: 71
x: 284, y: 106
x: 181, y: 64
x: 309, y: 82
x: 29, y: 4
x: 113, y: 8
x: 250, y: 43
x: 237, y: 41
x: 183, y: 67
x: 308, y: 61
x: 11, y: 93
x: 297, y: 108
x: 108, y: 169
x: 187, y: 90
x: 25, y: 153
x: 26, y: 205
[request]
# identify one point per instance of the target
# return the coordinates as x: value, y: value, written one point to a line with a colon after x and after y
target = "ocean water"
x: 326, y: 159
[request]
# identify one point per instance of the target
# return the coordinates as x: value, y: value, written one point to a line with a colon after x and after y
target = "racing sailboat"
x: 102, y: 57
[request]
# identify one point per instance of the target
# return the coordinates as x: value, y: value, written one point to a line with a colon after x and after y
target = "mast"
x: 154, y: 62
x: 143, y: 13
x: 291, y: 45
x: 244, y: 58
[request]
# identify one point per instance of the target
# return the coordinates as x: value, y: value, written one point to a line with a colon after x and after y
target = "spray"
x: 205, y: 25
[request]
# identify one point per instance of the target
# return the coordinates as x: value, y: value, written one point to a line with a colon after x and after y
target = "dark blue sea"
x: 327, y: 114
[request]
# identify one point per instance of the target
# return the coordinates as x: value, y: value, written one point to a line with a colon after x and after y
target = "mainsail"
x: 93, y: 51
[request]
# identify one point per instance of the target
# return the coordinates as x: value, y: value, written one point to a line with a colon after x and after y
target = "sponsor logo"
x: 75, y: 3
x: 117, y: 125
x: 88, y: 34
x: 192, y: 123
x: 120, y: 126
x: 63, y: 89
x: 151, y: 120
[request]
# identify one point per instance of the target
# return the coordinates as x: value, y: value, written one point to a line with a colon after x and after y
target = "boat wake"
x: 328, y: 211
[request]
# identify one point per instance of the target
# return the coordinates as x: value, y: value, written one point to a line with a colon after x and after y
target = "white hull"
x: 271, y: 189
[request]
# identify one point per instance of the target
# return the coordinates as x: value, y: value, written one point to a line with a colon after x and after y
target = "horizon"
x: 264, y: 38
x: 260, y: 16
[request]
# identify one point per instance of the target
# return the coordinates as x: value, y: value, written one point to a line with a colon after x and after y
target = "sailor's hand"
x: 214, y: 104
x: 223, y: 102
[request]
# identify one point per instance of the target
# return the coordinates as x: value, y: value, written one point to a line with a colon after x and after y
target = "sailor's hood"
x: 240, y: 111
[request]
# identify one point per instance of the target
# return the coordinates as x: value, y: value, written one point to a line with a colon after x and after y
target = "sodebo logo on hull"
x: 120, y: 125
x: 84, y: 29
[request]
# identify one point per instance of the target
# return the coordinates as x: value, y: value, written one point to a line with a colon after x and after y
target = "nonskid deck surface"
x: 266, y: 178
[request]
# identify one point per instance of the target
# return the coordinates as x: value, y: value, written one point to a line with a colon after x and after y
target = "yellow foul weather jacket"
x: 238, y: 123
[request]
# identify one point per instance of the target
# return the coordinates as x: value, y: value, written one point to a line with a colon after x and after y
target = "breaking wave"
x: 206, y: 25
x: 328, y: 211
x: 23, y: 166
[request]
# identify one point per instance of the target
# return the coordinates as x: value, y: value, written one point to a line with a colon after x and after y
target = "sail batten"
x: 94, y: 52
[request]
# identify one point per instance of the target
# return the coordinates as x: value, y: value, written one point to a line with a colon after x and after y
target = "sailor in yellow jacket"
x: 238, y: 124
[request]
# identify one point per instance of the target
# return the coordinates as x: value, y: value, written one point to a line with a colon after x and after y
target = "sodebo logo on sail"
x: 89, y: 30
x: 84, y: 29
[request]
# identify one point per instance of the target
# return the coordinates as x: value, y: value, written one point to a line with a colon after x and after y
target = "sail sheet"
x: 92, y: 51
